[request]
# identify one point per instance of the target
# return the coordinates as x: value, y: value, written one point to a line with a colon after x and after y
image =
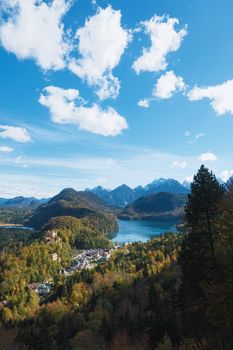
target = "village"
x: 88, y: 259
x: 84, y: 259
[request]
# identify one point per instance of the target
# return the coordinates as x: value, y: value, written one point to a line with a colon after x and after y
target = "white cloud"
x: 6, y: 149
x: 198, y: 136
x: 15, y: 133
x: 187, y: 133
x: 221, y: 96
x: 179, y: 164
x: 208, y: 156
x: 102, y: 41
x: 144, y: 103
x: 67, y: 107
x: 164, y: 39
x: 226, y: 174
x: 34, y: 29
x: 167, y: 85
x: 81, y: 170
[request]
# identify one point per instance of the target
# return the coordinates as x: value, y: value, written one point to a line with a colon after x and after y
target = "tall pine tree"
x: 201, y: 213
x: 198, y: 258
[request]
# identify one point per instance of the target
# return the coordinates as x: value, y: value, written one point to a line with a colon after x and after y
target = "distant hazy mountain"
x: 2, y: 200
x: 68, y: 203
x: 186, y: 184
x: 101, y: 192
x: 119, y: 197
x: 124, y: 195
x: 224, y: 183
x: 44, y: 200
x: 139, y: 190
x: 159, y: 206
x: 22, y: 202
x: 165, y: 185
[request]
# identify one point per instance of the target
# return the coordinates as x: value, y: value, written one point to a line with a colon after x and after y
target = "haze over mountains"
x: 124, y: 195
x: 162, y: 199
x: 121, y: 196
x: 22, y: 202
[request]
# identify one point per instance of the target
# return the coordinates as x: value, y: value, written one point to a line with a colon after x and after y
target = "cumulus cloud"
x: 34, y: 29
x: 6, y: 149
x: 208, y: 156
x: 102, y: 41
x: 144, y: 103
x: 167, y: 85
x: 67, y: 107
x: 164, y: 39
x: 14, y: 133
x: 187, y: 133
x: 179, y: 164
x: 221, y: 96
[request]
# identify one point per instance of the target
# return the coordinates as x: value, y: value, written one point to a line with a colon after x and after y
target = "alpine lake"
x: 141, y: 230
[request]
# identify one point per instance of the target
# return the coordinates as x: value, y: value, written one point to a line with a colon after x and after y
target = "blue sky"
x: 105, y: 93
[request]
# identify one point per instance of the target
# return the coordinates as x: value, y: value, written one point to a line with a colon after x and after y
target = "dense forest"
x: 15, y: 237
x: 172, y: 292
x: 161, y: 206
x: 13, y: 215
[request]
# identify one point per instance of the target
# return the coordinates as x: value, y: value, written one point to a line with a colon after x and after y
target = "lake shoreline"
x: 10, y: 225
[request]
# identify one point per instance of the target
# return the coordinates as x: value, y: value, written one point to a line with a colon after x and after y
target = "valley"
x: 79, y: 273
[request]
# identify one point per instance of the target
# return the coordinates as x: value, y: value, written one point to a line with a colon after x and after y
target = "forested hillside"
x: 14, y: 215
x: 67, y: 203
x: 160, y: 206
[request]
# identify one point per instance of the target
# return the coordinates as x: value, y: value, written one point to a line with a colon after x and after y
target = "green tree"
x: 201, y: 213
x: 199, y: 262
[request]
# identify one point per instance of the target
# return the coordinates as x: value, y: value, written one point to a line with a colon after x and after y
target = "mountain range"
x: 124, y: 195
x: 120, y: 197
x: 21, y: 202
x: 80, y: 204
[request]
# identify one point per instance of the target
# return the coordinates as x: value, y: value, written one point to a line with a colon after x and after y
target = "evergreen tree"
x: 201, y: 214
x: 220, y: 296
x: 198, y: 258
